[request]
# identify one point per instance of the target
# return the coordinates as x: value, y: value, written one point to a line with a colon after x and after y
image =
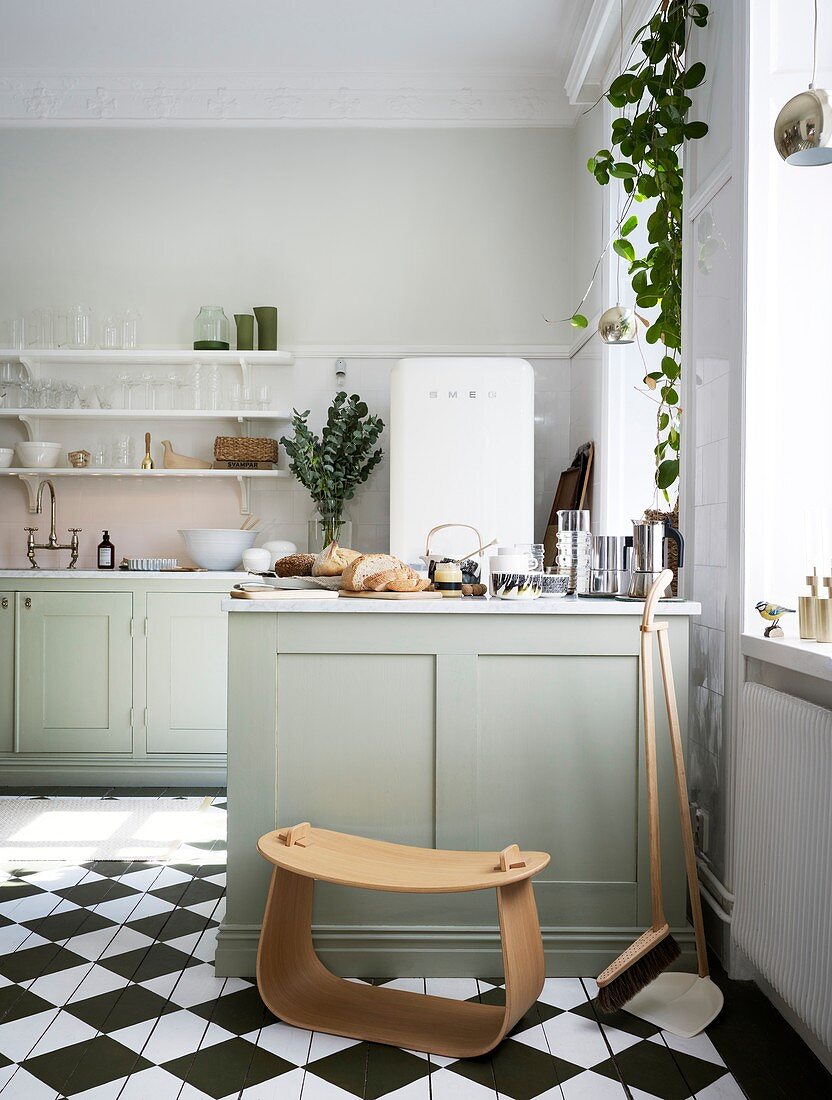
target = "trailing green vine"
x: 646, y: 141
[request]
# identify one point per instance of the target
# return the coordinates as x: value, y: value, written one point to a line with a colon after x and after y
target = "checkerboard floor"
x: 107, y: 992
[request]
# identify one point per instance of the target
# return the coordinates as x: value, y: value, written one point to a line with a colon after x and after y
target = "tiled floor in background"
x: 107, y: 992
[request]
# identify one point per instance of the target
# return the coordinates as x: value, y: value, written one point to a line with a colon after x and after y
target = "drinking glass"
x: 104, y: 392
x: 10, y: 383
x: 134, y: 382
x: 122, y: 451
x: 155, y: 386
x: 67, y: 394
x: 130, y: 328
x: 101, y: 455
x: 85, y: 395
x: 79, y: 327
x: 111, y: 333
x: 123, y: 379
x: 264, y: 398
x: 173, y: 379
x: 42, y: 333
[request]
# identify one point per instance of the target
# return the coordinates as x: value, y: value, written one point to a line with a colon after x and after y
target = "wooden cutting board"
x: 391, y: 595
x: 284, y: 594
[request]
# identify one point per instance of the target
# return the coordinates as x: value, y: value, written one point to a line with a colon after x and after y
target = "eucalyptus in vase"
x: 332, y: 466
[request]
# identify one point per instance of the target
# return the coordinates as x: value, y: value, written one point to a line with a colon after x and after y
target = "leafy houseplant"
x: 646, y: 142
x: 332, y: 466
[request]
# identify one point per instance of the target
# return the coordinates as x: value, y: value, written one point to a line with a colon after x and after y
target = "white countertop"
x: 570, y: 605
x: 120, y: 574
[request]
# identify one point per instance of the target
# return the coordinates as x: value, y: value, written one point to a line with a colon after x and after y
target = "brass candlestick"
x: 807, y: 609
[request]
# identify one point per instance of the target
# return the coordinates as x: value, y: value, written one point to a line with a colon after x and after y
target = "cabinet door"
x: 6, y: 671
x: 74, y: 671
x: 187, y: 656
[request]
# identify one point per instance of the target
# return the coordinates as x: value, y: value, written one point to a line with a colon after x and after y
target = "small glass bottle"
x: 211, y: 330
x: 106, y: 553
x: 447, y: 578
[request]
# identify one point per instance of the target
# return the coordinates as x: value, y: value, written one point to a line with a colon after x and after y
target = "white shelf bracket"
x: 245, y: 495
x: 28, y: 424
x: 32, y: 483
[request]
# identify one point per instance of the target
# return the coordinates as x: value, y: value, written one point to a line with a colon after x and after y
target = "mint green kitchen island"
x: 466, y: 724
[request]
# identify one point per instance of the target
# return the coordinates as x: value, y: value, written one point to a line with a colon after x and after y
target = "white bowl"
x: 6, y: 454
x: 32, y: 455
x: 217, y: 548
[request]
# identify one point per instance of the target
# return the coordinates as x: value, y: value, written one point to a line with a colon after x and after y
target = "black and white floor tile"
x: 107, y: 992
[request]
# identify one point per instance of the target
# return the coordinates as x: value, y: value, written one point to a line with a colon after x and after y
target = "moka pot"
x: 650, y: 541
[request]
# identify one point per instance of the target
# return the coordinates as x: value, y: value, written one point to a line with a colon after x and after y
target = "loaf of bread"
x: 382, y: 573
x: 333, y: 560
x: 295, y: 565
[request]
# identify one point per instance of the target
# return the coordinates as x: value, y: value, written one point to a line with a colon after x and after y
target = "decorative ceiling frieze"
x: 281, y: 99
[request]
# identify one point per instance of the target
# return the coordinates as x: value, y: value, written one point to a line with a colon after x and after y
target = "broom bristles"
x: 622, y: 989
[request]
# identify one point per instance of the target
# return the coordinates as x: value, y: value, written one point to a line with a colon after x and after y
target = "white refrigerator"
x: 461, y: 451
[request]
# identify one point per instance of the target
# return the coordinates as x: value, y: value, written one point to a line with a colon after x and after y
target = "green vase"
x: 245, y: 331
x: 266, y: 327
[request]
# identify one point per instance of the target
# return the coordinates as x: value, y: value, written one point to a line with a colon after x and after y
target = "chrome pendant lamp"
x: 803, y: 130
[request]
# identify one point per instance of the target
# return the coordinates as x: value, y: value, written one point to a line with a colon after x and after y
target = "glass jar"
x: 211, y: 330
x: 329, y: 525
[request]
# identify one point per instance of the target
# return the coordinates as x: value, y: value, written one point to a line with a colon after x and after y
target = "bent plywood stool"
x: 297, y: 987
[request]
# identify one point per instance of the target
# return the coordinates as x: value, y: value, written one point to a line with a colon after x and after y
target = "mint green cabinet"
x: 74, y: 671
x: 187, y: 652
x: 6, y: 672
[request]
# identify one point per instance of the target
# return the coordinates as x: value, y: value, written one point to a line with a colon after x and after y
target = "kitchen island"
x: 463, y: 724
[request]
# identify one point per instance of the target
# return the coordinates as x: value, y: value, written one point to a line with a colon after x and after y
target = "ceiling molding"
x: 595, y: 47
x: 39, y: 98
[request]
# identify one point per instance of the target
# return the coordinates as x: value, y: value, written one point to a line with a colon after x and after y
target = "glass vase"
x: 211, y: 329
x: 328, y: 525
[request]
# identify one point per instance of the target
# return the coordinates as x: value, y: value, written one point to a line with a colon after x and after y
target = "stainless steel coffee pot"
x: 650, y: 540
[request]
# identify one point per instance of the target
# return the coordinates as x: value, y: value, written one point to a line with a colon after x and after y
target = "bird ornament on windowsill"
x: 772, y: 613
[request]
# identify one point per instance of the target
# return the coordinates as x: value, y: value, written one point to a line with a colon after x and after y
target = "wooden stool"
x: 297, y: 987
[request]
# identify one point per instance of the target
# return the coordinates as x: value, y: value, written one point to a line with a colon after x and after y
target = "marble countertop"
x: 570, y: 605
x: 121, y: 574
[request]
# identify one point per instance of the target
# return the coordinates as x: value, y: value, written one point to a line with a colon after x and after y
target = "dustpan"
x: 683, y: 1004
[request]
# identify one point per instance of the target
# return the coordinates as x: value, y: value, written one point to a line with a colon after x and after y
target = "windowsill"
x: 810, y: 658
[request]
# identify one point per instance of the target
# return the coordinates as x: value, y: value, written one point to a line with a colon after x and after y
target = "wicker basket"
x: 230, y: 448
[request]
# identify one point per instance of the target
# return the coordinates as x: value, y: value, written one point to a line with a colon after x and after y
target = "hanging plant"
x: 646, y: 142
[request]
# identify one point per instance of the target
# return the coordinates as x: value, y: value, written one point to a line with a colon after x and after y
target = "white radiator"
x: 783, y: 910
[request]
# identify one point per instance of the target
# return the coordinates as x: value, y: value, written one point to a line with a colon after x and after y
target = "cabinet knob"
x: 4, y: 603
x: 27, y: 603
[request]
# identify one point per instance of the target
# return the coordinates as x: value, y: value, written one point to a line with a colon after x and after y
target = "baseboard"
x: 97, y: 772
x: 439, y: 952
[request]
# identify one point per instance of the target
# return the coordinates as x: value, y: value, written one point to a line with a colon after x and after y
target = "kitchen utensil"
x: 6, y: 455
x: 256, y: 559
x: 390, y: 595
x: 263, y: 592
x: 571, y: 519
x: 574, y: 548
x: 653, y: 951
x: 511, y: 563
x: 154, y: 564
x: 249, y: 523
x: 35, y: 455
x: 266, y: 327
x: 147, y: 461
x: 296, y: 583
x: 217, y: 548
x: 517, y: 586
x: 554, y: 585
x: 245, y: 331
x: 280, y: 548
x: 650, y: 540
x: 211, y: 329
x: 682, y: 1003
x: 604, y: 582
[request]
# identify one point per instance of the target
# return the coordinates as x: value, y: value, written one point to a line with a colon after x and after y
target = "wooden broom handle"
x: 653, y: 836
x: 682, y: 795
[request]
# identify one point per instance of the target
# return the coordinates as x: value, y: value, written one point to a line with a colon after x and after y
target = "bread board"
x: 391, y: 595
x: 264, y: 593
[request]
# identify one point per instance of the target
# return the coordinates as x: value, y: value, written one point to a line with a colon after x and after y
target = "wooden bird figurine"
x: 173, y: 461
x: 772, y: 613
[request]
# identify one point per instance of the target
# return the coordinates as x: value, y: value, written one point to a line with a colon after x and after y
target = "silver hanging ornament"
x: 617, y: 326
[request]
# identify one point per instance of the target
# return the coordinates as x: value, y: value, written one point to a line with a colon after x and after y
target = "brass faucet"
x: 52, y: 543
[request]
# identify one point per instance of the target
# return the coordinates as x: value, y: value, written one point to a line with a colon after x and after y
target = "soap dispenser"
x: 106, y: 553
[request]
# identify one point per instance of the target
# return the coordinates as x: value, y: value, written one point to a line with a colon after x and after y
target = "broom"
x: 655, y: 949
